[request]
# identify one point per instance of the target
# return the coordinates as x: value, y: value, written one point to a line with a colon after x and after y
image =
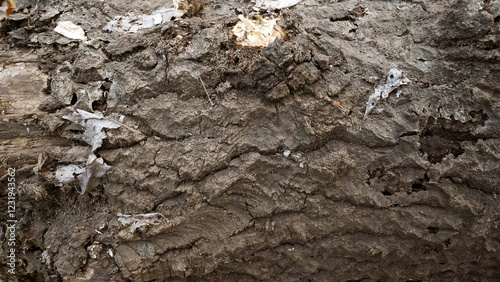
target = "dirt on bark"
x: 234, y: 163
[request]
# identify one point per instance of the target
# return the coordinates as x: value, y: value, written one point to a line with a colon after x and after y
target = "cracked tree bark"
x: 406, y: 194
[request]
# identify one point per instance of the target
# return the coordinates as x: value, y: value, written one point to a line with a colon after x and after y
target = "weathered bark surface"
x: 406, y: 194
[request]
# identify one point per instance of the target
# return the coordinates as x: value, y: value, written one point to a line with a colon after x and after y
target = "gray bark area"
x: 409, y: 193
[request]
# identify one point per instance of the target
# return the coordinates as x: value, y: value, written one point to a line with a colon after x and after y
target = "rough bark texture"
x: 406, y: 194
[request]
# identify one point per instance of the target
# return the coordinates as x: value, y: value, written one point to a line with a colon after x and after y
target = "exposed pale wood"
x: 21, y: 137
x: 21, y: 86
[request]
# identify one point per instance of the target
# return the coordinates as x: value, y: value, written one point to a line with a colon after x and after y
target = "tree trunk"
x: 283, y: 173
